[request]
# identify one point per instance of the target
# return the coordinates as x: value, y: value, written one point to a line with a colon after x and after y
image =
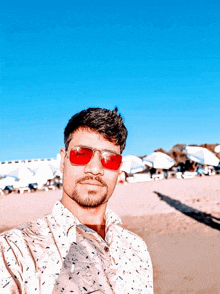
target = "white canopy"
x: 21, y: 172
x: 159, y: 160
x: 45, y: 171
x: 132, y: 164
x: 7, y: 181
x: 201, y: 155
x: 217, y: 149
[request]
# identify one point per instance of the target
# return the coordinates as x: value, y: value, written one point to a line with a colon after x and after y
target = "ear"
x: 62, y: 158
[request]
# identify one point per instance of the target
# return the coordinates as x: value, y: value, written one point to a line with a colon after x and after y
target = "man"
x: 80, y: 247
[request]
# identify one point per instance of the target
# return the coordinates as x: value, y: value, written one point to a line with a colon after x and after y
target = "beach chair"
x: 189, y: 174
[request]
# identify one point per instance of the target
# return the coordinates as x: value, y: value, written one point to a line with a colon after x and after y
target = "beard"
x: 90, y: 201
x: 89, y: 198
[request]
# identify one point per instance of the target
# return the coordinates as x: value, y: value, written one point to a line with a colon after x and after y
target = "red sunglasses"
x: 81, y: 155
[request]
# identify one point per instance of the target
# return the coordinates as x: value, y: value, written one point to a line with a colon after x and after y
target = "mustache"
x: 97, y: 178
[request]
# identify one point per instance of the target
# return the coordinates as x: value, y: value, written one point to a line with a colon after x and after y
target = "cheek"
x: 112, y: 180
x: 71, y: 174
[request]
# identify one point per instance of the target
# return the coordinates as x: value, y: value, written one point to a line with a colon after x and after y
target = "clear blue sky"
x: 157, y: 61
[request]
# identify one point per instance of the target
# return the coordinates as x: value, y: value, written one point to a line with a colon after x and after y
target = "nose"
x: 95, y: 166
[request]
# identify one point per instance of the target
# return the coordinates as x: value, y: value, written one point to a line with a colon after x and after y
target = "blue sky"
x: 159, y: 63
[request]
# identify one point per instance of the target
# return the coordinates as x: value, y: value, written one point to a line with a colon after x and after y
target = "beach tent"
x: 159, y: 160
x: 132, y: 164
x: 201, y: 155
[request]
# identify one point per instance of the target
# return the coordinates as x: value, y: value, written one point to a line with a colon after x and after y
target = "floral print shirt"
x: 58, y: 254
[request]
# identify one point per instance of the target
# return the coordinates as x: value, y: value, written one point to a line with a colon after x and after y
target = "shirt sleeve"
x: 149, y: 272
x: 10, y: 267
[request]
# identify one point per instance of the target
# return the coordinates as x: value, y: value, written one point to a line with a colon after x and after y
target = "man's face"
x: 88, y: 185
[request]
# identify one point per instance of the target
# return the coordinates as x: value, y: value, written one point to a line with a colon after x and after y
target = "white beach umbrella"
x: 25, y: 181
x: 58, y: 173
x: 44, y: 171
x: 7, y: 181
x: 53, y: 167
x: 132, y: 164
x: 201, y: 155
x: 20, y: 172
x: 42, y: 174
x: 159, y: 160
x: 217, y: 149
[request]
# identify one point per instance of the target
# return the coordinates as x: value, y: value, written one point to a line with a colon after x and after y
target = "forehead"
x: 92, y: 139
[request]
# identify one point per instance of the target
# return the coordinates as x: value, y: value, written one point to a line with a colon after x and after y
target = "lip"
x: 91, y: 182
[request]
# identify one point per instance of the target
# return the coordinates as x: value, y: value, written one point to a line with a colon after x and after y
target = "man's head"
x: 90, y: 162
x: 103, y: 121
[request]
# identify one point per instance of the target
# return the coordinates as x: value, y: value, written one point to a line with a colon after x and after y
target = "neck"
x: 100, y: 229
x: 93, y: 217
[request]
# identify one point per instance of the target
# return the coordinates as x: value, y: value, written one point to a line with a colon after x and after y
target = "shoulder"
x: 123, y: 235
x: 24, y: 233
x: 131, y: 240
x: 132, y: 249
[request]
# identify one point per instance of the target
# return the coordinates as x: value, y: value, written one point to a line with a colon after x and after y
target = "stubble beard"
x: 92, y: 199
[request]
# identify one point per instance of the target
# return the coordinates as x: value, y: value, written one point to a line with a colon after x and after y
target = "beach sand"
x: 178, y: 219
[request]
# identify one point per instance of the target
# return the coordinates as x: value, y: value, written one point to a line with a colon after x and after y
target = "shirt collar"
x: 67, y: 220
x: 111, y: 218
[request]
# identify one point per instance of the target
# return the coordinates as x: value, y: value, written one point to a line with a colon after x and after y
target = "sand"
x: 178, y: 219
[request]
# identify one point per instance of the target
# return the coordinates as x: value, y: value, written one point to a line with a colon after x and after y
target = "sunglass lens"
x: 111, y: 161
x: 80, y: 155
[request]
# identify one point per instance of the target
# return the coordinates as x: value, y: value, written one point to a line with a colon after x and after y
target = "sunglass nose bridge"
x: 94, y: 165
x: 94, y: 152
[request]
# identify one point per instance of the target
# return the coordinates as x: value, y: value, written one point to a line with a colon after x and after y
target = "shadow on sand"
x: 198, y: 215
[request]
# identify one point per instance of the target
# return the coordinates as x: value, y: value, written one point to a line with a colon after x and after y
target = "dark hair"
x: 106, y: 122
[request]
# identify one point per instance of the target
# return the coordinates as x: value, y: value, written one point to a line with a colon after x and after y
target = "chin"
x: 91, y: 202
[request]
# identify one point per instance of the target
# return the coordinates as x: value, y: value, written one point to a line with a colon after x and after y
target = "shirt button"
x: 106, y: 249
